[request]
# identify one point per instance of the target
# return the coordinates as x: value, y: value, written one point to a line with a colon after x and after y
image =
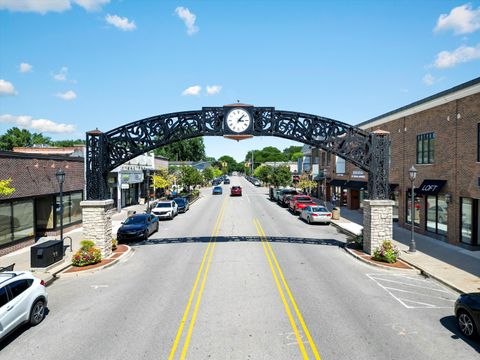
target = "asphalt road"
x: 208, y: 286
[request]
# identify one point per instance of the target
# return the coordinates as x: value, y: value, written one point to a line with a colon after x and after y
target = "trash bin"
x: 46, y: 253
x: 336, y: 213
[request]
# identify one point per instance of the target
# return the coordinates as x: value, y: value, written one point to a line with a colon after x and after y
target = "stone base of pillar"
x: 97, y: 223
x: 377, y: 223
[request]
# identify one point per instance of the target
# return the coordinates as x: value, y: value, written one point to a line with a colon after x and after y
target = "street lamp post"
x: 60, y: 175
x: 412, y: 174
x: 148, y: 190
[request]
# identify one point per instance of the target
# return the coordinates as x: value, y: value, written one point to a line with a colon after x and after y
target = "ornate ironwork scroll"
x: 365, y: 150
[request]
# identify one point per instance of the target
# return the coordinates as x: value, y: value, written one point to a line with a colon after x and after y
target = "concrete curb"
x: 60, y: 273
x: 343, y: 230
x: 380, y: 265
x: 437, y: 278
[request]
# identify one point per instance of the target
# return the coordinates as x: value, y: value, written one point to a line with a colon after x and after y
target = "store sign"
x: 125, y: 186
x: 358, y: 174
x: 131, y: 177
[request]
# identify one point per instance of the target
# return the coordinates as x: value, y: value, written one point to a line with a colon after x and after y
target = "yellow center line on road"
x: 208, y: 254
x: 271, y: 255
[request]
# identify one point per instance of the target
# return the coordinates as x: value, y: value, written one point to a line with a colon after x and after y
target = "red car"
x: 236, y: 191
x: 299, y: 202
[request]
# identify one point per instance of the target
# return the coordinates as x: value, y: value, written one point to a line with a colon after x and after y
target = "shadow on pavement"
x: 206, y: 239
x: 450, y: 323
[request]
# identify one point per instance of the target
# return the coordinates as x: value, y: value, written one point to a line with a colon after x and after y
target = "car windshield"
x: 134, y: 220
x: 179, y: 201
x: 319, y: 209
x: 164, y: 205
x: 217, y: 188
x: 304, y: 199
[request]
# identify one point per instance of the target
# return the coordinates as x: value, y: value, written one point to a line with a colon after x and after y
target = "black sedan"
x: 182, y: 204
x: 467, y: 311
x: 137, y: 227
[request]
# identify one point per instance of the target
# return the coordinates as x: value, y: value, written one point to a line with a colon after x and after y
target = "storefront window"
x: 417, y: 209
x: 5, y: 223
x: 23, y: 225
x: 72, y: 211
x: 76, y: 210
x: 437, y: 214
x: 394, y: 198
x: 466, y: 225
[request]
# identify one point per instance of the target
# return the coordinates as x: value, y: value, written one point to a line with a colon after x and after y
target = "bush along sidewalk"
x: 387, y: 252
x: 88, y: 254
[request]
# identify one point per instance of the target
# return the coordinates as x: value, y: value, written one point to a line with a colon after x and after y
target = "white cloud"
x: 192, y: 90
x: 25, y: 67
x: 462, y: 20
x: 69, y: 95
x: 62, y: 74
x: 44, y: 6
x: 214, y: 89
x: 460, y: 55
x: 42, y: 125
x: 120, y: 23
x: 7, y: 88
x: 428, y: 79
x: 91, y: 5
x: 188, y: 18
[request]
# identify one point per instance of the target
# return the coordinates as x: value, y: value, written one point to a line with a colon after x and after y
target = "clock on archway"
x: 238, y: 121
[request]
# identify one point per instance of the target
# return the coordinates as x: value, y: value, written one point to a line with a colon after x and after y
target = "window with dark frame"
x: 426, y: 148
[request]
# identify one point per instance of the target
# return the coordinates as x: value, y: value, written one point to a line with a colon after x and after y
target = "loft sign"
x: 429, y: 188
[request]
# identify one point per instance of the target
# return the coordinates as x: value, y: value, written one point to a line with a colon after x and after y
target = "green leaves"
x: 5, y: 188
x: 185, y: 150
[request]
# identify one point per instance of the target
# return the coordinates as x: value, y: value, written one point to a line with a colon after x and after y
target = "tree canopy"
x: 16, y: 137
x: 5, y: 188
x: 184, y: 150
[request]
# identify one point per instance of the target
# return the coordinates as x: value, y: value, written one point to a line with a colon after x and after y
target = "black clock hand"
x: 240, y: 119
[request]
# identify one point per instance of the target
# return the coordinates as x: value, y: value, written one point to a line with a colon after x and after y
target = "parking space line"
x: 416, y: 293
x: 407, y: 284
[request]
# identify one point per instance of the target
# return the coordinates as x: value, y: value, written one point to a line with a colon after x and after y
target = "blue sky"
x: 69, y: 66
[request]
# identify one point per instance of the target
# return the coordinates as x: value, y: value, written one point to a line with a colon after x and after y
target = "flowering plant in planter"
x: 88, y: 254
x: 387, y: 252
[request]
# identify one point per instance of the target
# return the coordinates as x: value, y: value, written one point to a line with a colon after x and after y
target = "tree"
x: 190, y: 177
x: 216, y: 172
x: 5, y: 188
x: 269, y: 153
x: 230, y: 161
x: 306, y: 183
x: 208, y: 174
x: 68, y: 143
x: 184, y: 150
x: 290, y: 151
x: 15, y: 137
x: 264, y: 173
x: 161, y: 180
x: 281, y: 176
x: 296, y: 155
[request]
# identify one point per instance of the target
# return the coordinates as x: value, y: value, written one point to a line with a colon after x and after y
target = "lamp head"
x: 412, y: 173
x: 60, y: 175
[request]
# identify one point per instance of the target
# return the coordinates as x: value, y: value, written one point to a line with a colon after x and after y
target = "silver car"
x: 316, y: 214
x: 165, y: 210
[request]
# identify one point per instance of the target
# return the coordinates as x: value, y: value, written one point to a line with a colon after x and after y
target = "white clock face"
x: 238, y: 120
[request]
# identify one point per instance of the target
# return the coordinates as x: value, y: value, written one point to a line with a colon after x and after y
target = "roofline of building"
x: 457, y: 92
x: 11, y: 154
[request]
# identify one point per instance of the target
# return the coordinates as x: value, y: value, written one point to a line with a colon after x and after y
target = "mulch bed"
x: 115, y: 254
x: 397, y: 265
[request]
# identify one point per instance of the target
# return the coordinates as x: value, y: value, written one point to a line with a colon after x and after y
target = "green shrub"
x: 387, y: 252
x: 114, y: 244
x: 88, y: 254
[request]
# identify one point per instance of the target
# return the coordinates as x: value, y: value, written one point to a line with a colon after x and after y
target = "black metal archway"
x: 106, y: 151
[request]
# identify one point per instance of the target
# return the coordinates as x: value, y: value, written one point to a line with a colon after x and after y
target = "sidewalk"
x: 21, y: 257
x: 452, y: 265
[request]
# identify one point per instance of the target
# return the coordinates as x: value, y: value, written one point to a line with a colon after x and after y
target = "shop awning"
x: 319, y: 177
x: 356, y: 185
x: 337, y: 182
x: 431, y: 187
x: 392, y: 187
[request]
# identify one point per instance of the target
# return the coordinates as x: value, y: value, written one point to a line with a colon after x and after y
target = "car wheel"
x: 466, y: 324
x: 145, y: 235
x: 37, y: 313
x: 156, y: 229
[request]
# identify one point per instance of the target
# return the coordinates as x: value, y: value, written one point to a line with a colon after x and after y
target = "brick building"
x: 440, y: 137
x: 30, y: 211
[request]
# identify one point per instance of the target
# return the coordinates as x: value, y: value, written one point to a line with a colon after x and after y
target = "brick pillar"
x: 377, y: 223
x: 97, y: 223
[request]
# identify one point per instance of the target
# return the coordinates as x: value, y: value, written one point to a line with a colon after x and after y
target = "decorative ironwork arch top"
x: 106, y: 151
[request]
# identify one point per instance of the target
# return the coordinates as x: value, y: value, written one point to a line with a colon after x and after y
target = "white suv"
x: 23, y: 298
x: 165, y: 210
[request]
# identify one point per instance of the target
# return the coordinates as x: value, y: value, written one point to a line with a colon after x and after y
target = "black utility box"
x: 46, y: 253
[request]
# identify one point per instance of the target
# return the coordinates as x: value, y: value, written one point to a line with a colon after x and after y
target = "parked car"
x: 316, y: 214
x: 226, y: 181
x: 23, y: 299
x: 467, y: 311
x: 165, y: 210
x: 283, y: 194
x: 236, y: 191
x: 256, y: 182
x: 217, y: 190
x: 137, y: 227
x: 183, y: 204
x: 299, y: 202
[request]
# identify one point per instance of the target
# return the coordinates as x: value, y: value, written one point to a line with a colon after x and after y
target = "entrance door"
x: 44, y: 210
x: 354, y: 199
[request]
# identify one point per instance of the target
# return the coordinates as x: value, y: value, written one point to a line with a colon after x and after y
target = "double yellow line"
x: 275, y: 267
x: 208, y: 254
